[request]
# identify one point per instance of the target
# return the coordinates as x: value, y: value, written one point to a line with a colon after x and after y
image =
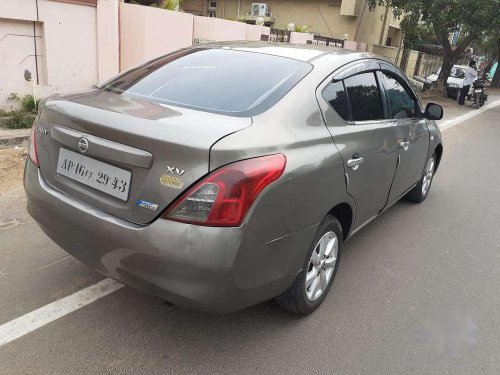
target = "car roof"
x: 302, y: 52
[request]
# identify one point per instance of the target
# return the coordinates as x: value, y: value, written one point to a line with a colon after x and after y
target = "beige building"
x: 340, y: 19
x: 53, y: 41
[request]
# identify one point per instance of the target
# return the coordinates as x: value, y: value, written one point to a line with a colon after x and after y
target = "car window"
x: 364, y: 97
x: 335, y: 95
x: 457, y: 73
x: 214, y: 80
x: 400, y: 101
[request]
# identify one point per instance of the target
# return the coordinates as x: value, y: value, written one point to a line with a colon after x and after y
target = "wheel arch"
x: 439, y: 153
x: 345, y: 214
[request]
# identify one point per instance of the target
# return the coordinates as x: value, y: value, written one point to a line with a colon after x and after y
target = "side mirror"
x: 433, y: 112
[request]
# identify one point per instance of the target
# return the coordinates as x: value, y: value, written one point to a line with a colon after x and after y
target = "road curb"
x: 13, y: 137
x: 12, y: 142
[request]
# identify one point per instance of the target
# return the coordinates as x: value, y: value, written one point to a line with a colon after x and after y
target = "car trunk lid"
x: 156, y: 151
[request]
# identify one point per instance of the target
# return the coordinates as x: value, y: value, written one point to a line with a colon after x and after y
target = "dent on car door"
x: 355, y: 115
x: 411, y: 132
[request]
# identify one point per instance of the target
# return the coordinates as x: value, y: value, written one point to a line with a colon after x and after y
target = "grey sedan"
x: 224, y: 175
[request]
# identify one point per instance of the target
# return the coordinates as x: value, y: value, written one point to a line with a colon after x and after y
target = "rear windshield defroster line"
x: 217, y: 80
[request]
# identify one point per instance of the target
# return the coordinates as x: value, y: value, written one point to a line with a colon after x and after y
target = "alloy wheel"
x: 428, y: 174
x: 321, y: 266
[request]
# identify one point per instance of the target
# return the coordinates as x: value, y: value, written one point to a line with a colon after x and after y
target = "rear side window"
x: 216, y: 80
x: 335, y: 94
x: 364, y: 97
x: 400, y: 101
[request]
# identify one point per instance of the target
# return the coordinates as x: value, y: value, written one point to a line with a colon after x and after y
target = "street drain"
x: 9, y: 223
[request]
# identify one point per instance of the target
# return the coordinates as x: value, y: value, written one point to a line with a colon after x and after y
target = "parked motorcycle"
x: 477, y: 93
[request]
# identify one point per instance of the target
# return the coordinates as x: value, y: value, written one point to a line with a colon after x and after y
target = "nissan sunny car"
x: 224, y: 175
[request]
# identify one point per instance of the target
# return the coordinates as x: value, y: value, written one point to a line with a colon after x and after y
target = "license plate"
x: 100, y: 176
x: 478, y: 90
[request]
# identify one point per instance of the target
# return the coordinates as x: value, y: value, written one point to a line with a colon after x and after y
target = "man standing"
x: 470, y: 77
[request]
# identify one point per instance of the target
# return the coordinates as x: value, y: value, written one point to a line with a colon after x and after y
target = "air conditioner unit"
x: 260, y: 9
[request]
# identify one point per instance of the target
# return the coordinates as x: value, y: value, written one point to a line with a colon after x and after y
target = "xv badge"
x: 176, y: 171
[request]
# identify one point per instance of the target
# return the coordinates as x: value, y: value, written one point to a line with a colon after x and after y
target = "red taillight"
x: 224, y: 197
x: 32, y: 147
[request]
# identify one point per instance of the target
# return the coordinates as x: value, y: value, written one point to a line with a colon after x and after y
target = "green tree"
x: 489, y: 48
x: 473, y: 18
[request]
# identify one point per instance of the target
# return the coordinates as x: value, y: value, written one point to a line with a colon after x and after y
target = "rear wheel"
x: 477, y: 101
x: 421, y: 190
x: 313, y: 283
x: 483, y: 98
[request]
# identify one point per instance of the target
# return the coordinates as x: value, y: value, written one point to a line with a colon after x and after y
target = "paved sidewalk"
x: 453, y: 110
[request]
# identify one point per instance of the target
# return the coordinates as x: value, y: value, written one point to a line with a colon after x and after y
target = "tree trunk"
x: 496, y: 77
x: 450, y: 55
x: 448, y: 62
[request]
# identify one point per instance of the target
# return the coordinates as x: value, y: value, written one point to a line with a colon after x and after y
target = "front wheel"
x: 313, y: 283
x: 477, y: 101
x: 421, y: 190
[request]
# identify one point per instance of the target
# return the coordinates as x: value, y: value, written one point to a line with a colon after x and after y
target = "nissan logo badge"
x: 83, y: 145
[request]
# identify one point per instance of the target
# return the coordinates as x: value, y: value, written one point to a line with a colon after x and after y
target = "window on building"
x: 212, y: 8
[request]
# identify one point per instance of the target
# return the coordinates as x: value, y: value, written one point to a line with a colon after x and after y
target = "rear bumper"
x: 217, y: 270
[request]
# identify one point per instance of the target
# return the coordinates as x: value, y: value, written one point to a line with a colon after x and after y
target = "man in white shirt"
x: 470, y: 77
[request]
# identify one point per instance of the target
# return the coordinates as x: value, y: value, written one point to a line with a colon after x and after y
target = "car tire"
x: 300, y: 298
x: 421, y: 190
x: 477, y: 101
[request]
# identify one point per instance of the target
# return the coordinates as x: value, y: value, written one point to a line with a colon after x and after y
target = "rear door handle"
x: 404, y: 145
x: 355, y: 162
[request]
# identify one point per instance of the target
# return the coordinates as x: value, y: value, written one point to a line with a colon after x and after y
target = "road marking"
x: 458, y: 120
x: 44, y: 315
x: 50, y: 264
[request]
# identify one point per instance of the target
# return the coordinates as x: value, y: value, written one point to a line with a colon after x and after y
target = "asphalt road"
x: 417, y: 293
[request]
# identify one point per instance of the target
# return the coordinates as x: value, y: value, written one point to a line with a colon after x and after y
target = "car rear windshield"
x: 215, y: 80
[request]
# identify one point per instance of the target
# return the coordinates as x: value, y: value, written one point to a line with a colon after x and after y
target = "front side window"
x: 400, y: 102
x: 364, y: 97
x: 336, y: 96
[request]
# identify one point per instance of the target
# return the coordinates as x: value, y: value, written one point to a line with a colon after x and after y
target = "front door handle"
x: 355, y: 162
x: 404, y: 145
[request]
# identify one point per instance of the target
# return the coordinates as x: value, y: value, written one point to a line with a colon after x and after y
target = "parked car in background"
x: 224, y: 175
x: 455, y: 80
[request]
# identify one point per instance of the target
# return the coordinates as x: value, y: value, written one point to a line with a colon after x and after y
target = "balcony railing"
x: 248, y: 18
